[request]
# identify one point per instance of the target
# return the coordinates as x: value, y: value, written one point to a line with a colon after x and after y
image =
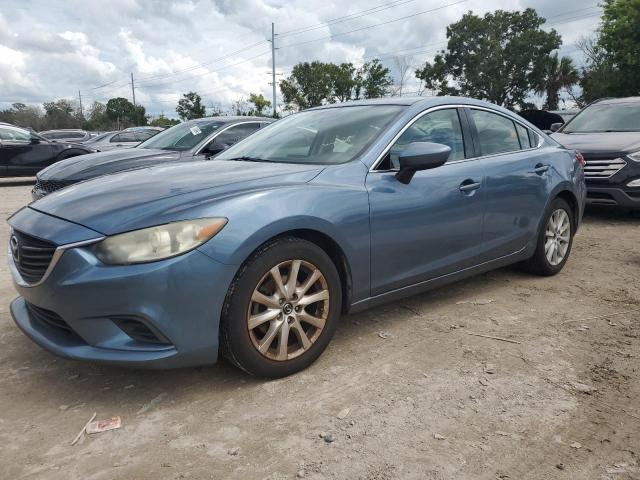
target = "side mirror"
x: 421, y: 156
x: 34, y: 140
x: 215, y: 148
x: 555, y: 126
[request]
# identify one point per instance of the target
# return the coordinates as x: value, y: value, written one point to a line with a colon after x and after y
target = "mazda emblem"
x: 15, y: 248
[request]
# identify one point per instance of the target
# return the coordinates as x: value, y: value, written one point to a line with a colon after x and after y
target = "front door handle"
x: 469, y: 185
x: 541, y: 168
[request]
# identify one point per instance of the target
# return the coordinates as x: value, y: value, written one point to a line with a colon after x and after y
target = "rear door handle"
x: 541, y: 168
x: 469, y: 185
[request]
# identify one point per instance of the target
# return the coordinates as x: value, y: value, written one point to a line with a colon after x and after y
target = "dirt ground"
x: 404, y: 391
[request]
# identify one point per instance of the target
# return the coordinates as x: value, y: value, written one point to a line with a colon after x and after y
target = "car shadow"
x: 17, y: 182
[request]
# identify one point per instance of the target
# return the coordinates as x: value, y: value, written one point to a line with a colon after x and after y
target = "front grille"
x: 603, y: 168
x: 45, y: 187
x: 49, y: 318
x: 31, y: 256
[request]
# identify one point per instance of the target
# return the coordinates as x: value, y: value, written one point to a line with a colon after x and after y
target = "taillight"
x: 580, y: 159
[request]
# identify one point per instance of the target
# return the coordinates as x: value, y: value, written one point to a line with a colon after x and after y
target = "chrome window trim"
x: 206, y: 141
x: 418, y: 116
x: 54, y: 260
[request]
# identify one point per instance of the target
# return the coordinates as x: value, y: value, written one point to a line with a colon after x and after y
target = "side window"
x: 441, y: 126
x: 523, y: 136
x: 237, y: 133
x: 144, y: 135
x: 14, y: 134
x: 497, y: 134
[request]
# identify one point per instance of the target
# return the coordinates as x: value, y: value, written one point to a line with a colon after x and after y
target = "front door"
x: 433, y: 225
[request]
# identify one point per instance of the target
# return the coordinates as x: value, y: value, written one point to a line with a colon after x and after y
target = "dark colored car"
x: 193, y: 140
x: 24, y: 153
x: 607, y: 133
x: 257, y: 253
x: 67, y: 135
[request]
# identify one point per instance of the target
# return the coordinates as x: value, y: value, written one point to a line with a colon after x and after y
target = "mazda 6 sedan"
x: 257, y: 253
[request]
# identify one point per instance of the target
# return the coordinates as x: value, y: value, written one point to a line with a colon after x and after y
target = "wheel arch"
x: 569, y: 197
x: 70, y: 152
x: 331, y: 247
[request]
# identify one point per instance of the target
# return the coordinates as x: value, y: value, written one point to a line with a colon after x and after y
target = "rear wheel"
x: 282, y: 308
x: 554, y: 240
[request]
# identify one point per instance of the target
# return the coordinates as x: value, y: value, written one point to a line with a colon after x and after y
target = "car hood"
x: 161, y: 194
x: 616, y: 143
x: 93, y: 165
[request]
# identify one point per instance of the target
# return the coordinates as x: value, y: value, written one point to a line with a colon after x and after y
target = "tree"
x: 240, y: 107
x: 190, y: 106
x: 259, y: 104
x: 123, y: 113
x: 613, y: 56
x: 403, y: 64
x: 344, y: 82
x: 162, y: 121
x: 558, y: 74
x: 500, y: 57
x: 375, y: 79
x: 317, y: 83
x: 309, y: 85
x: 60, y: 114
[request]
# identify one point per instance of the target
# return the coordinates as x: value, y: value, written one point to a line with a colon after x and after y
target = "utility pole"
x: 133, y: 90
x: 273, y: 65
x: 80, y: 98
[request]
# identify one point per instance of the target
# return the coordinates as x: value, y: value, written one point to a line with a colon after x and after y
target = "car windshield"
x: 326, y: 136
x: 182, y: 137
x: 613, y: 117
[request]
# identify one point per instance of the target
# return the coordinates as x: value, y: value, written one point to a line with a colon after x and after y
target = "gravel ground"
x: 403, y: 391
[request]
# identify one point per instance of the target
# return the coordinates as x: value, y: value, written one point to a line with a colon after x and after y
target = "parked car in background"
x: 125, y: 139
x: 565, y: 114
x: 259, y: 251
x: 67, y: 135
x: 24, y: 153
x: 607, y: 133
x: 193, y: 140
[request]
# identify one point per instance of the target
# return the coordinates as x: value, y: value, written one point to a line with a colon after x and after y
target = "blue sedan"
x: 258, y: 253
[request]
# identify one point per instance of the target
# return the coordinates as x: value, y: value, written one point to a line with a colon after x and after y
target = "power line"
x: 377, y: 24
x: 362, y: 13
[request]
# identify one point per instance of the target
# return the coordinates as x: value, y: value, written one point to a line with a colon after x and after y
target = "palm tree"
x: 558, y: 74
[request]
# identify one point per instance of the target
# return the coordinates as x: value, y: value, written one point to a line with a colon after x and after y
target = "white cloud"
x: 174, y: 46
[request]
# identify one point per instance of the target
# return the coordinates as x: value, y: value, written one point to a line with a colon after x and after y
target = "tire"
x: 540, y: 263
x: 254, y: 295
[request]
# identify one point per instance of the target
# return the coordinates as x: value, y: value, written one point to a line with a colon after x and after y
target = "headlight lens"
x: 157, y: 243
x: 635, y: 155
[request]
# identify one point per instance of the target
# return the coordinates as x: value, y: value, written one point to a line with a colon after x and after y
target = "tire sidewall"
x: 548, y: 268
x: 238, y: 340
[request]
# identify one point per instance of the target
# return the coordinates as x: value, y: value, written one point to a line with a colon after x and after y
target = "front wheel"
x: 281, y: 309
x: 554, y: 240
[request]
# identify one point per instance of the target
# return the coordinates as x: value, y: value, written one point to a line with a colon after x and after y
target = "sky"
x: 220, y: 49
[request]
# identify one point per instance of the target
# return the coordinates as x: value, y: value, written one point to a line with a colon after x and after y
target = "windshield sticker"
x: 195, y: 130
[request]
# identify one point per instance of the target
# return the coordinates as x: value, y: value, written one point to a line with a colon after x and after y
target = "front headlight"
x: 635, y: 155
x: 157, y: 243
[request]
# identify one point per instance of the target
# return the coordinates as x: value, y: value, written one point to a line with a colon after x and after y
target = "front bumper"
x: 613, y: 196
x: 180, y: 299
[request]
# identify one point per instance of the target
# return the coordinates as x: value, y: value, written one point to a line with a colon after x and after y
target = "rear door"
x: 433, y: 225
x: 517, y: 179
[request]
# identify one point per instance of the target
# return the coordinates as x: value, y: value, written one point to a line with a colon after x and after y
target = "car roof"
x: 65, y: 130
x: 419, y: 102
x: 613, y: 101
x: 231, y: 119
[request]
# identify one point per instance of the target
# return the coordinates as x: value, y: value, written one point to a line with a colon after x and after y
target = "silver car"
x: 125, y: 139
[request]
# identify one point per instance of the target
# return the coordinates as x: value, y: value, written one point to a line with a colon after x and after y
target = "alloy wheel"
x: 288, y: 310
x: 557, y: 237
